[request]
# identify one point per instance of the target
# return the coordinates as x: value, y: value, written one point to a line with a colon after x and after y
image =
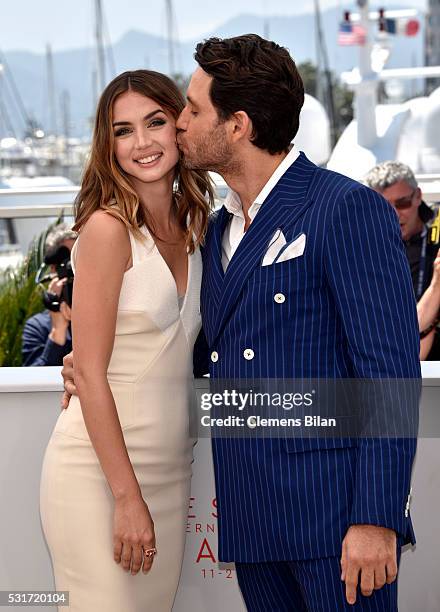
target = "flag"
x: 401, y: 26
x: 412, y: 27
x: 351, y: 34
x: 390, y: 26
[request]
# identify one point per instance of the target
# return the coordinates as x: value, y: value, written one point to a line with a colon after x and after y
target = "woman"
x: 116, y: 473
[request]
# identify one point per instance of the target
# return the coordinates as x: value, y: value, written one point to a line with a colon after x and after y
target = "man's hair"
x: 259, y: 77
x: 55, y: 237
x: 388, y: 173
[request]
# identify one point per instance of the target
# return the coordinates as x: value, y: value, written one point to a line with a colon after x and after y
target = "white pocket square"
x: 276, y: 243
x: 294, y: 249
x: 279, y: 250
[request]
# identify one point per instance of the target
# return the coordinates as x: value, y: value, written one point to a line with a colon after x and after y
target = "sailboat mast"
x: 99, y: 46
x: 266, y: 26
x: 324, y: 84
x: 2, y: 113
x: 170, y: 34
x: 51, y: 91
x: 65, y: 101
x: 318, y: 33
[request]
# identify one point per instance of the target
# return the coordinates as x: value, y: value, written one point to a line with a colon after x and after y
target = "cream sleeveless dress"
x: 150, y: 375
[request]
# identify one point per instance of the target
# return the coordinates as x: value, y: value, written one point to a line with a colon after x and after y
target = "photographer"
x: 47, y: 335
x: 397, y: 183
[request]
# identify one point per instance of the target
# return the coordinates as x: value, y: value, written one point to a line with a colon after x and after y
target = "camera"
x: 60, y: 258
x: 434, y: 234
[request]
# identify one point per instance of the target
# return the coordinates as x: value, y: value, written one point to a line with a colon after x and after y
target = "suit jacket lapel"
x: 213, y: 269
x: 285, y: 203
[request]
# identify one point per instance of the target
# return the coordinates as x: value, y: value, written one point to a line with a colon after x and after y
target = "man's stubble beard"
x: 211, y: 153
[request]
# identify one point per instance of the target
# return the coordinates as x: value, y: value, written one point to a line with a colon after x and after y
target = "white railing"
x: 29, y: 406
x: 32, y: 212
x: 52, y: 201
x: 31, y: 209
x: 430, y: 186
x: 36, y: 202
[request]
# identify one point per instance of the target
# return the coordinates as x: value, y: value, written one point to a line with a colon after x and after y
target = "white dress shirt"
x: 234, y: 231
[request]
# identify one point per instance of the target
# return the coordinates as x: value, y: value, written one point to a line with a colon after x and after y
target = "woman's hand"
x: 435, y: 282
x: 429, y: 305
x: 133, y: 532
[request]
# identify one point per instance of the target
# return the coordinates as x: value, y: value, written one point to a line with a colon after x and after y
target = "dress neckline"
x: 183, y: 297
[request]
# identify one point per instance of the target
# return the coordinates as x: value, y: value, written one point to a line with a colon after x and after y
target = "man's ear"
x: 241, y: 126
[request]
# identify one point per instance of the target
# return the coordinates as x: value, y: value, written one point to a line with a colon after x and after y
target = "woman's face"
x: 145, y: 138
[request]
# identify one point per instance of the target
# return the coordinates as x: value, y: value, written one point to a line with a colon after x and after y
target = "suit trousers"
x: 313, y: 585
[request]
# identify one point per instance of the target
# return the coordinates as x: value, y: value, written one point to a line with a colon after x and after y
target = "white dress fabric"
x: 150, y: 375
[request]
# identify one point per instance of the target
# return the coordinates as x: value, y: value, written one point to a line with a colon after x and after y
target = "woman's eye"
x: 122, y: 132
x: 156, y: 122
x: 194, y: 113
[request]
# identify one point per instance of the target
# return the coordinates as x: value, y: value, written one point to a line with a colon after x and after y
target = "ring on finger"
x: 149, y: 552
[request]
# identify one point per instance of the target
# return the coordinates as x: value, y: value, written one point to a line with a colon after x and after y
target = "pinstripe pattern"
x: 306, y: 586
x: 349, y: 312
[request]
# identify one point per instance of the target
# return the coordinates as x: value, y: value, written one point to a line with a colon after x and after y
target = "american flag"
x: 351, y: 34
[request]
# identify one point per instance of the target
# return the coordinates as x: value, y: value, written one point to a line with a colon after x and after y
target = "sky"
x: 67, y: 24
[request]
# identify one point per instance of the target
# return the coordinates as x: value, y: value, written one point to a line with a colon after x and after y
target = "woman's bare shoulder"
x: 105, y: 239
x: 102, y: 222
x: 103, y: 226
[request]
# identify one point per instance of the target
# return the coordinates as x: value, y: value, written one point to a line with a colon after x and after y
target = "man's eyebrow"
x: 148, y: 116
x: 190, y: 100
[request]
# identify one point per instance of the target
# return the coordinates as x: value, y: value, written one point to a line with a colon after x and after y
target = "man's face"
x: 202, y: 138
x: 406, y: 201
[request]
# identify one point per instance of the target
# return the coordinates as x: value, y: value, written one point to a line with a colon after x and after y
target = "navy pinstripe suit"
x: 349, y: 312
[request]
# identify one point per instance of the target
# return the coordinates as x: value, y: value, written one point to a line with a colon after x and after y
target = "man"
x: 292, y: 512
x: 398, y: 185
x: 46, y: 336
x: 288, y: 513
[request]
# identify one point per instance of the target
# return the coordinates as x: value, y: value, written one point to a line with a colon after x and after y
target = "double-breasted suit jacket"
x: 347, y: 311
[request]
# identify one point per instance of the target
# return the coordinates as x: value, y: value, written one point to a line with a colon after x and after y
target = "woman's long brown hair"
x: 107, y: 187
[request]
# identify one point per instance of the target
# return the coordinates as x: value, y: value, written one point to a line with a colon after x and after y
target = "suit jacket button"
x: 279, y: 298
x: 214, y: 356
x: 248, y: 354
